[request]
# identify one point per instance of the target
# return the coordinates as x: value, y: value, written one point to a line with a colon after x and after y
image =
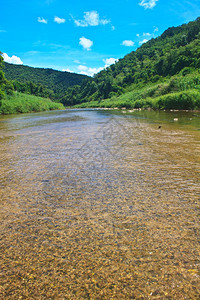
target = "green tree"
x: 1, y: 77
x: 6, y: 87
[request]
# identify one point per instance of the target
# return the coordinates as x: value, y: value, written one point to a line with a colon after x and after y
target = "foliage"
x: 33, y: 89
x: 5, y: 86
x: 22, y: 103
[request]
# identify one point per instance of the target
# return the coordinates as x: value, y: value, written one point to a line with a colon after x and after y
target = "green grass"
x: 22, y: 103
x: 178, y: 92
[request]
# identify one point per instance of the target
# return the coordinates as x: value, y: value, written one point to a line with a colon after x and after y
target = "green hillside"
x: 168, y: 65
x: 55, y: 81
x: 12, y: 102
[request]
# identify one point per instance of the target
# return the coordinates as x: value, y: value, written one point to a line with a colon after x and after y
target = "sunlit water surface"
x: 100, y: 205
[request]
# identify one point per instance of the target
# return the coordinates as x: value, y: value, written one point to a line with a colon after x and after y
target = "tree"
x: 2, y: 78
x: 6, y: 87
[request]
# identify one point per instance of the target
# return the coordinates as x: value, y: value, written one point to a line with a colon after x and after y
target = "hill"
x: 13, y: 102
x: 163, y: 66
x: 53, y: 80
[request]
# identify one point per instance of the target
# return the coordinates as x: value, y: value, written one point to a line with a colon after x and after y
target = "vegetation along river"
x: 98, y: 204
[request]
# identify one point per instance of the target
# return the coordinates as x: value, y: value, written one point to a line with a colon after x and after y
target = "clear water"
x: 98, y: 204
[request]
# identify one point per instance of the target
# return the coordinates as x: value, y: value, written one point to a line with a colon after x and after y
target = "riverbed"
x: 98, y: 204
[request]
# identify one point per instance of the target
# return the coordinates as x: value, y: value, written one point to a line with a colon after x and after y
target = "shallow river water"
x: 98, y: 204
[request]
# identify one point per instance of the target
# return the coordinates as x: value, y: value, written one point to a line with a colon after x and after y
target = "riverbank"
x: 177, y: 92
x: 23, y: 103
x: 185, y: 100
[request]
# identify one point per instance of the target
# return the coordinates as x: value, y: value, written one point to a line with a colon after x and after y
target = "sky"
x: 84, y: 36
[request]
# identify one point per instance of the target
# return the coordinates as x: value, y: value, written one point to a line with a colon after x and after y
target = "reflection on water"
x: 100, y: 205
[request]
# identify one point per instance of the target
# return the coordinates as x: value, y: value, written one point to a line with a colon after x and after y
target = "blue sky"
x: 84, y: 36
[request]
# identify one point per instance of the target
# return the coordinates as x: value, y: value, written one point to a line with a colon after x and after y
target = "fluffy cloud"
x: 85, y: 43
x: 84, y: 70
x: 88, y: 71
x: 59, y: 20
x: 12, y: 60
x: 91, y: 18
x: 148, y: 3
x: 144, y: 41
x: 128, y: 43
x: 67, y: 70
x: 42, y: 20
x: 76, y: 61
x: 144, y: 34
x: 109, y: 61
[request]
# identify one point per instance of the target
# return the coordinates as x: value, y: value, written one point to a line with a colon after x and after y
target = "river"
x: 100, y: 204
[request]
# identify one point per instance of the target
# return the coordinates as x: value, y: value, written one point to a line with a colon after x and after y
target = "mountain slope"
x: 56, y: 81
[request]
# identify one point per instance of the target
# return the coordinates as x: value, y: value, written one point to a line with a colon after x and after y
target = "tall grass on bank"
x: 186, y: 100
x: 182, y: 93
x: 22, y: 103
x: 189, y: 99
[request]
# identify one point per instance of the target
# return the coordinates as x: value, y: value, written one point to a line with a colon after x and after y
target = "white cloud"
x: 104, y: 22
x: 84, y: 70
x: 85, y: 43
x: 146, y: 34
x: 76, y: 61
x: 148, y: 3
x: 144, y: 41
x: 59, y: 20
x: 42, y: 20
x: 90, y: 18
x: 109, y: 61
x: 89, y: 71
x: 67, y: 70
x: 12, y: 60
x: 128, y: 43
